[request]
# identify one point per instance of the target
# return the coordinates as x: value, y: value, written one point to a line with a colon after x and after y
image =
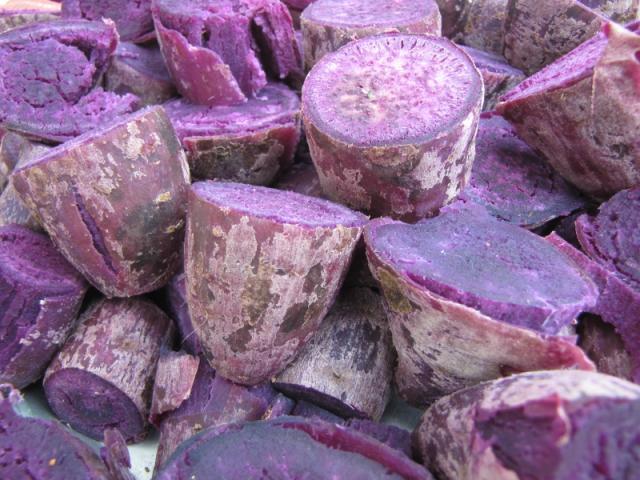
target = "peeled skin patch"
x: 561, y: 425
x: 40, y: 297
x: 391, y: 122
x: 274, y: 261
x: 50, y: 75
x: 329, y: 24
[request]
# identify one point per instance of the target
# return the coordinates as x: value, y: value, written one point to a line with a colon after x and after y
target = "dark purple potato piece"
x: 498, y: 76
x: 263, y: 267
x: 618, y: 303
x: 40, y: 297
x: 581, y: 113
x: 612, y: 237
x: 512, y: 182
x: 140, y: 70
x: 327, y: 25
x: 605, y: 347
x: 307, y: 409
x: 15, y: 13
x: 301, y: 178
x: 50, y: 71
x: 133, y: 19
x: 220, y: 53
x: 280, y: 406
x: 288, y: 448
x: 42, y: 449
x: 391, y: 122
x: 176, y: 295
x: 477, y: 23
x: 175, y: 374
x: 115, y: 455
x: 247, y: 143
x: 347, y: 366
x: 213, y: 401
x: 560, y: 425
x: 103, y: 375
x: 113, y: 201
x: 472, y: 298
x: 395, y: 437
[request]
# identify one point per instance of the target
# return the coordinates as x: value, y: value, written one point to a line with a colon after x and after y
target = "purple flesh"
x: 390, y: 435
x: 280, y: 406
x: 288, y: 448
x: 403, y: 151
x: 103, y: 375
x: 175, y: 374
x: 40, y: 297
x: 49, y: 92
x: 176, y: 295
x: 42, y: 449
x: 115, y: 455
x: 512, y: 182
x: 563, y: 425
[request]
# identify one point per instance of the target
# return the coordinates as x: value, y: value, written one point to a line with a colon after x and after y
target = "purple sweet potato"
x: 133, y: 19
x: 583, y: 112
x: 113, y: 201
x: 263, y: 267
x: 40, y: 297
x: 562, y: 425
x: 605, y: 347
x: 50, y: 71
x: 220, y: 53
x: 12, y: 148
x: 472, y: 298
x: 212, y: 401
x: 42, y: 449
x: 393, y: 133
x: 348, y: 364
x: 140, y: 70
x: 477, y: 23
x: 302, y: 178
x: 288, y: 448
x: 115, y: 455
x: 247, y: 143
x: 176, y: 295
x: 102, y: 377
x: 15, y: 13
x: 498, y: 76
x: 175, y: 374
x: 280, y: 406
x: 327, y: 25
x: 512, y: 182
x: 395, y: 437
x: 307, y: 409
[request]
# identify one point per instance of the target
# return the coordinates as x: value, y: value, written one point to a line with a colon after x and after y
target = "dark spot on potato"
x: 313, y: 279
x: 294, y: 318
x: 238, y: 340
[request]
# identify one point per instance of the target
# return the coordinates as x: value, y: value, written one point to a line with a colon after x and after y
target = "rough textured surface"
x: 563, y: 425
x: 394, y: 134
x: 471, y: 298
x: 115, y: 455
x: 176, y: 295
x: 50, y: 71
x: 213, y: 401
x: 605, y: 347
x: 42, y: 449
x: 113, y: 201
x: 40, y: 297
x: 288, y: 448
x: 220, y: 53
x: 348, y: 364
x: 477, y: 23
x: 140, y: 70
x: 102, y: 377
x: 498, y: 76
x: 512, y: 182
x: 15, y: 13
x: 263, y: 266
x: 581, y: 112
x: 175, y: 374
x: 133, y: 19
x: 247, y: 143
x: 327, y: 25
x: 301, y: 178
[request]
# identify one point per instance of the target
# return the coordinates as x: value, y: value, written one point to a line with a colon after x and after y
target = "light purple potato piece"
x: 102, y: 377
x: 327, y: 25
x: 347, y: 366
x: 471, y: 298
x: 17, y: 13
x: 115, y: 455
x: 393, y: 132
x: 605, y: 347
x: 212, y: 401
x: 176, y: 295
x: 50, y: 72
x: 40, y: 298
x: 512, y: 182
x: 302, y: 178
x: 140, y: 70
x: 498, y: 76
x: 263, y: 267
x: 581, y: 113
x: 113, y: 201
x: 557, y: 425
x: 222, y: 53
x: 133, y: 19
x: 247, y: 143
x: 175, y: 374
x: 42, y: 449
x: 289, y: 448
